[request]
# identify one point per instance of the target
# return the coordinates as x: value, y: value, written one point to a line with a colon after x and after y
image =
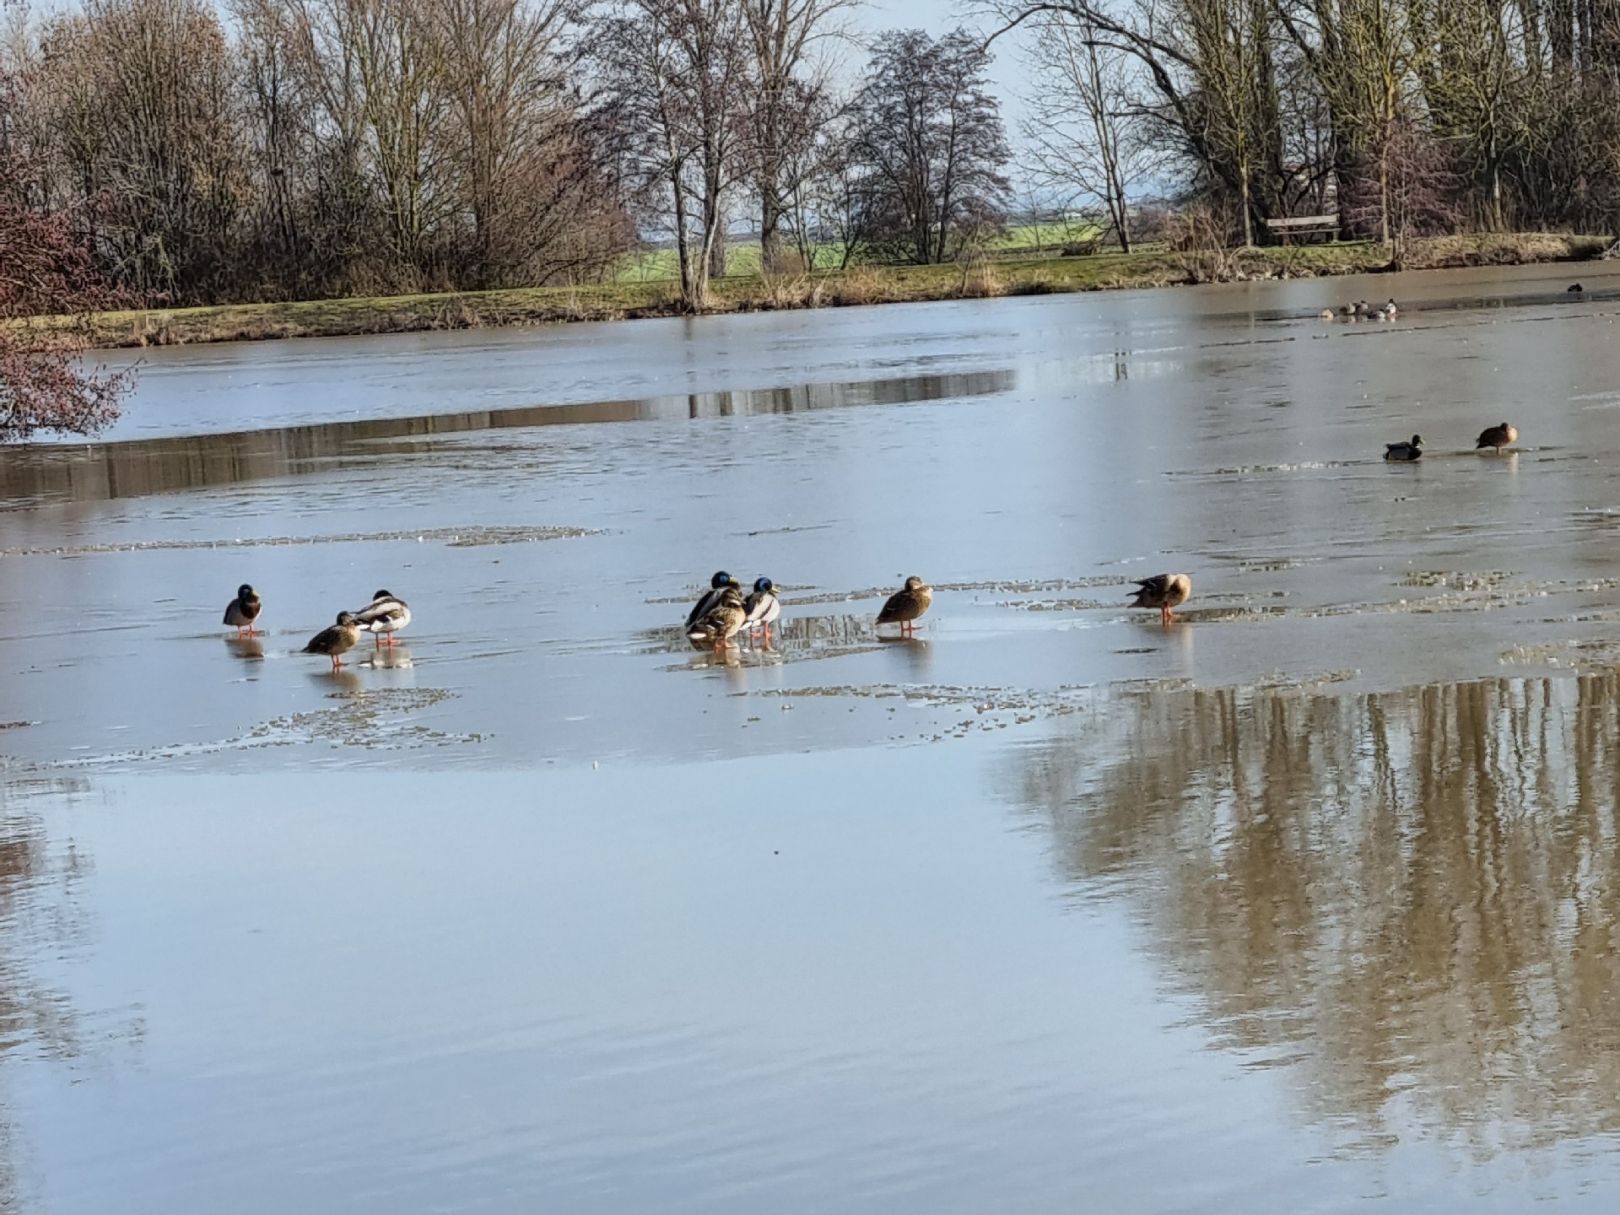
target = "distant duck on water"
x: 1404, y: 451
x: 1166, y: 592
x: 1574, y: 289
x: 1498, y: 437
x: 241, y: 612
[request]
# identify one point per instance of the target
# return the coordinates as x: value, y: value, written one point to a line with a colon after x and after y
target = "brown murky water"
x: 1307, y: 903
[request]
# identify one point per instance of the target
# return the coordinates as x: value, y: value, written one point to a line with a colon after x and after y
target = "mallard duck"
x: 1347, y: 310
x: 720, y: 623
x: 711, y: 597
x: 1574, y: 289
x: 907, y: 604
x: 1165, y: 592
x: 386, y: 615
x: 762, y: 607
x: 1360, y: 308
x: 1326, y: 314
x: 1404, y: 451
x: 241, y: 612
x: 339, y: 639
x: 1498, y: 437
x: 1392, y: 310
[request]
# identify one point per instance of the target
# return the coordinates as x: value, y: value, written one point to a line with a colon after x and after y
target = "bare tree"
x: 929, y: 136
x: 520, y: 169
x: 787, y: 85
x: 675, y: 79
x: 143, y: 109
x: 1081, y: 133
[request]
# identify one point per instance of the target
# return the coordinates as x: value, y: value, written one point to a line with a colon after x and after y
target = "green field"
x: 742, y: 257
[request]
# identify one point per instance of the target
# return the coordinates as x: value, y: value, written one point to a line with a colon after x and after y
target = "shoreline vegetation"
x: 980, y: 278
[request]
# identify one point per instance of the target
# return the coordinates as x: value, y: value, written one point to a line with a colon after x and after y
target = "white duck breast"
x: 763, y: 608
x: 388, y: 615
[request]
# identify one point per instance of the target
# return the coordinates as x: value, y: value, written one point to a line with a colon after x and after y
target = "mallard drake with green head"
x: 1166, y: 592
x: 907, y: 604
x: 710, y: 599
x: 241, y: 612
x: 1404, y: 451
x: 762, y: 607
x: 720, y: 623
x: 386, y: 615
x: 339, y: 639
x: 1498, y: 437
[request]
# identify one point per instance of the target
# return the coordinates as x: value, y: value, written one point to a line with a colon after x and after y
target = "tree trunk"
x: 770, y: 229
x: 717, y: 252
x: 683, y: 250
x: 1243, y: 202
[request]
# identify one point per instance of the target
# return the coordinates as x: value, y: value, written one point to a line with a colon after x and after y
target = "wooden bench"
x: 1305, y: 226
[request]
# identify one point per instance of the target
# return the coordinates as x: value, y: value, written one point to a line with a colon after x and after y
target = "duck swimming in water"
x: 337, y: 640
x: 1498, y: 437
x: 1404, y: 451
x: 710, y: 599
x: 1166, y: 592
x: 386, y: 615
x: 241, y: 612
x: 906, y: 605
x: 720, y: 623
x: 762, y: 607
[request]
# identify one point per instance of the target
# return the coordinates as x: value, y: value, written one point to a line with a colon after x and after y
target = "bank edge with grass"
x: 862, y: 284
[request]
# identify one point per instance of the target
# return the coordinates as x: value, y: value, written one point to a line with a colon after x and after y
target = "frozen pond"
x: 1308, y: 901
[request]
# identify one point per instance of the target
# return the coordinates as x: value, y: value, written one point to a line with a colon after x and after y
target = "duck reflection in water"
x: 341, y: 679
x: 249, y: 649
x: 394, y: 657
x: 913, y: 655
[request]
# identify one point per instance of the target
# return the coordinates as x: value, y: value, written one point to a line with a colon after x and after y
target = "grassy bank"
x: 745, y: 293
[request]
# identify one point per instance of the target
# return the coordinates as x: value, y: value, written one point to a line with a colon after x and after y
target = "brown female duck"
x: 907, y: 604
x: 720, y: 623
x: 339, y: 639
x: 1498, y: 437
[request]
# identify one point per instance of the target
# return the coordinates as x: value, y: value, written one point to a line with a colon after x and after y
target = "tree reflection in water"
x: 1412, y: 899
x: 39, y: 918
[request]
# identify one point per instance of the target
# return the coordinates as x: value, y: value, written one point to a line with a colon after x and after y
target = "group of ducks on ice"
x: 1361, y: 311
x: 723, y: 613
x: 383, y: 617
x: 715, y: 620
